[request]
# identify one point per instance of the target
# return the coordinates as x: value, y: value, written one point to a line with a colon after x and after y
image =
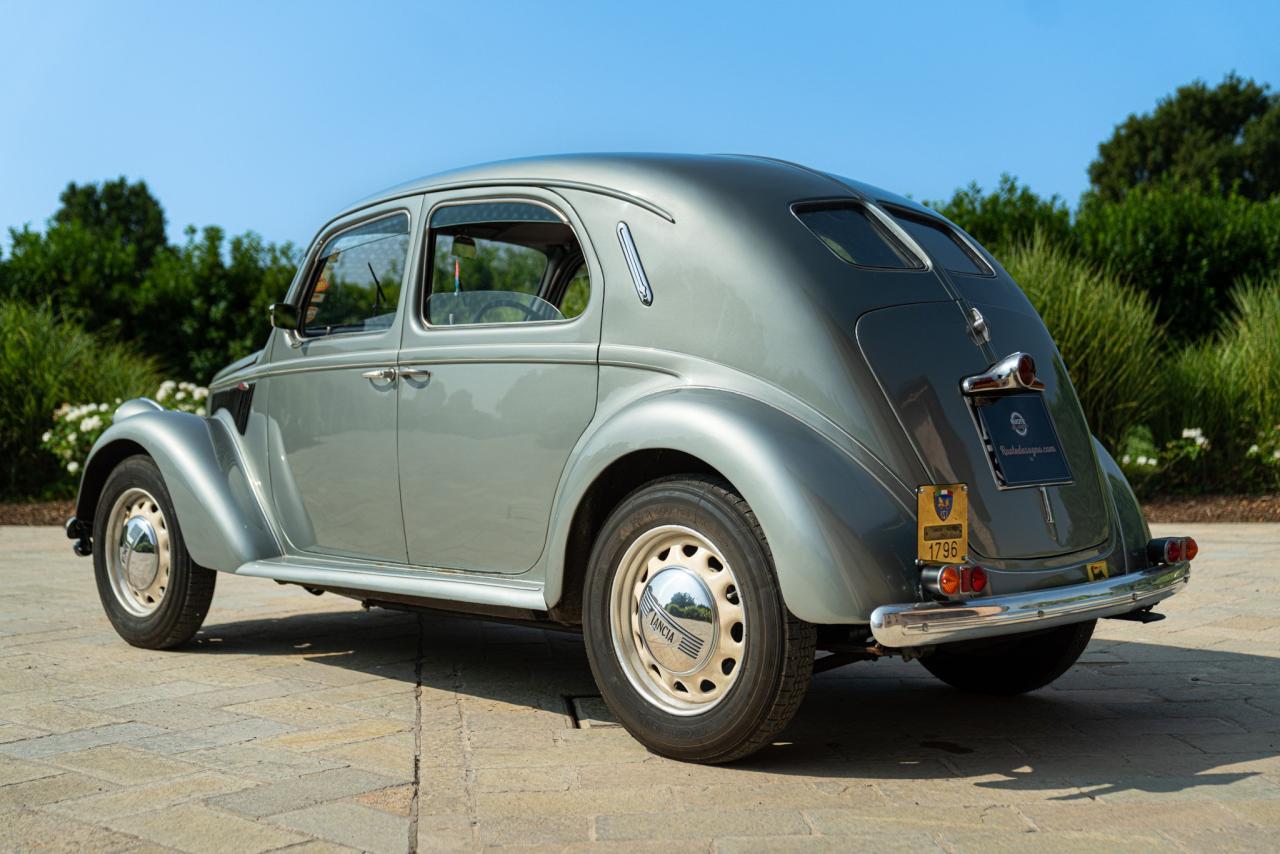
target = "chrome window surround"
x: 427, y: 270
x: 304, y: 281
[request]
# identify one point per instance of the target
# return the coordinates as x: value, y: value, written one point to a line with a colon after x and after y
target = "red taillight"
x: 954, y: 579
x: 1171, y: 549
x: 1026, y: 370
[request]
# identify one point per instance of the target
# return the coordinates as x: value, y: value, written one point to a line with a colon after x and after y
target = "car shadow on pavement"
x: 1129, y: 718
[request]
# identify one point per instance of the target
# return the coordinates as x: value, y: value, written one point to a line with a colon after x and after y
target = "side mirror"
x: 283, y: 315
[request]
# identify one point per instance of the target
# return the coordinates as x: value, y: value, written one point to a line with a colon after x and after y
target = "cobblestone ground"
x: 294, y: 723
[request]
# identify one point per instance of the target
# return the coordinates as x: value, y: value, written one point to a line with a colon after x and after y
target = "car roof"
x: 662, y: 183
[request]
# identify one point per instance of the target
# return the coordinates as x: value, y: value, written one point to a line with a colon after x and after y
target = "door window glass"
x: 358, y: 278
x: 503, y: 262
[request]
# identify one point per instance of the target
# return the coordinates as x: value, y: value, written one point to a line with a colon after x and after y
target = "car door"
x: 498, y: 376
x: 332, y: 392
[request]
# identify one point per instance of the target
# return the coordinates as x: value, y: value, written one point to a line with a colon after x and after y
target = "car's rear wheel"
x: 689, y: 640
x: 1012, y: 665
x: 154, y: 594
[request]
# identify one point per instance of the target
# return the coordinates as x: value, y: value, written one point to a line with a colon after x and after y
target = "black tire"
x: 1012, y: 665
x: 186, y: 599
x: 778, y: 660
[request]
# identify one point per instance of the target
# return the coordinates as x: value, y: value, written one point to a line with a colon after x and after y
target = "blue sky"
x: 270, y: 116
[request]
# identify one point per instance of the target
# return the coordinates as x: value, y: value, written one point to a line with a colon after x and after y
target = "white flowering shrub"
x: 1185, y: 464
x: 77, y: 426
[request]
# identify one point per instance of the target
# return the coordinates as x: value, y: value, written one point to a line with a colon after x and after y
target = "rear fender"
x: 1134, y: 531
x: 222, y: 521
x: 843, y: 541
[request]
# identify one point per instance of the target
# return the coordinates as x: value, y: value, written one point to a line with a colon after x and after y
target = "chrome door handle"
x: 414, y: 373
x: 380, y: 374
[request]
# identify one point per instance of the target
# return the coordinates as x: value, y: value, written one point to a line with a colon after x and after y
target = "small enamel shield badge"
x: 943, y: 500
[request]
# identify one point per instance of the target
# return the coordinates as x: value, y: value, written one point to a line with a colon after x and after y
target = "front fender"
x: 222, y: 522
x: 843, y: 538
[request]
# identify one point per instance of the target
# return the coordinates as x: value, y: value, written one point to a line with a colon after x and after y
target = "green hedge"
x: 195, y: 308
x: 45, y: 362
x: 1225, y: 394
x: 1185, y: 250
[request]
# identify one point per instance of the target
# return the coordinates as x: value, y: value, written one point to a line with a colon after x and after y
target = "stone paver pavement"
x: 305, y: 724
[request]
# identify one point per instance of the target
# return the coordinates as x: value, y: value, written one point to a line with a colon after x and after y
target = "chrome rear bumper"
x: 930, y: 623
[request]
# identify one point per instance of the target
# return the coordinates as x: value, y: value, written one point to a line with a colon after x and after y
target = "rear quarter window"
x: 942, y: 244
x: 855, y: 236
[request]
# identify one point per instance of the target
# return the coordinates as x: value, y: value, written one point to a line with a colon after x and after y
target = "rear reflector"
x: 949, y: 580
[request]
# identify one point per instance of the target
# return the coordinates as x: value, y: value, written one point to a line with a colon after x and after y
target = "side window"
x: 855, y: 236
x: 356, y: 286
x: 943, y: 245
x: 503, y: 262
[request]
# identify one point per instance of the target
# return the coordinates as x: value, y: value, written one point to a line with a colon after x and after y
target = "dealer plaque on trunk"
x: 1022, y: 441
x: 942, y: 526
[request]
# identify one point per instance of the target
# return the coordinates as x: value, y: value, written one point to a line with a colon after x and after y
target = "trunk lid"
x: 919, y: 353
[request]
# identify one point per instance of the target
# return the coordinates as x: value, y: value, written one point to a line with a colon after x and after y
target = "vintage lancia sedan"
x: 718, y: 413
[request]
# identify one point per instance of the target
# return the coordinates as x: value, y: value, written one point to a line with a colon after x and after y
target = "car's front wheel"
x: 689, y: 640
x: 154, y: 594
x: 1012, y: 665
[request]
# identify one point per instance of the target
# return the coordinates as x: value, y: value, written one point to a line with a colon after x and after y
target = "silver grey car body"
x: 468, y: 467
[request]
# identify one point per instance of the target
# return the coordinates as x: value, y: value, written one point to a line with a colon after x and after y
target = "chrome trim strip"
x: 638, y: 278
x: 930, y: 623
x: 425, y: 584
x: 561, y: 183
x: 444, y: 359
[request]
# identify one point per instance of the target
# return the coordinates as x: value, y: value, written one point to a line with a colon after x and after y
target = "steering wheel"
x: 527, y: 309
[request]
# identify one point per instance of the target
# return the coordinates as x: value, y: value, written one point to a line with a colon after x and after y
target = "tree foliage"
x: 119, y: 210
x: 1224, y: 139
x: 1185, y: 249
x: 1008, y: 215
x: 104, y: 263
x: 211, y: 297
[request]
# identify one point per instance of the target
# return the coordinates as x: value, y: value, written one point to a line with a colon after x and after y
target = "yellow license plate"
x: 942, y: 528
x: 1098, y: 571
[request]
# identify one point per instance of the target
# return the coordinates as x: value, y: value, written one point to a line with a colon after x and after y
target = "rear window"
x: 942, y: 244
x: 855, y: 236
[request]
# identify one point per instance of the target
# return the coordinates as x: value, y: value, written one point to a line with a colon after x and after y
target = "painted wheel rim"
x: 677, y: 621
x: 137, y: 550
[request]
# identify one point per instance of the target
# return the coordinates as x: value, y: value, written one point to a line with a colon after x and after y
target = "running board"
x: 415, y: 583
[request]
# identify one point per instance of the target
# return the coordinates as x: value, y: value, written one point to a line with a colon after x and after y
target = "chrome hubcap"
x: 138, y: 554
x: 678, y: 626
x: 677, y: 620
